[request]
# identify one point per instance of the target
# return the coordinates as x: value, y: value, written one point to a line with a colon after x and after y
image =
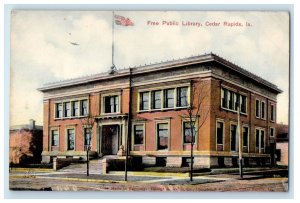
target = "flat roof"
x: 160, y: 66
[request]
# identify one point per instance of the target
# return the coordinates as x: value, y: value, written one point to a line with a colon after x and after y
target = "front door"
x: 110, y: 139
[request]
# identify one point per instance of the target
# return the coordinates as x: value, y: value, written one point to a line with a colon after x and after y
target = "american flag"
x: 121, y: 20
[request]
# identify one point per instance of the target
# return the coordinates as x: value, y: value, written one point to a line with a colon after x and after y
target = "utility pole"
x: 129, y: 126
x: 87, y: 161
x: 238, y: 131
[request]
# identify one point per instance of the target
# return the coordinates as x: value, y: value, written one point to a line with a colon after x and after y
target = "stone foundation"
x: 205, y: 162
x: 228, y: 161
x: 174, y: 161
x: 149, y: 161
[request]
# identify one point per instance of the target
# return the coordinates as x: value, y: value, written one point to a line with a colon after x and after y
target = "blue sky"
x: 41, y: 51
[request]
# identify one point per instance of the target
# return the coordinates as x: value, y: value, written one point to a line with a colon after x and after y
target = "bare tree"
x: 198, y: 110
x: 87, y: 124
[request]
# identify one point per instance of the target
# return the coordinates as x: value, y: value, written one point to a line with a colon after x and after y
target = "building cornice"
x: 160, y: 67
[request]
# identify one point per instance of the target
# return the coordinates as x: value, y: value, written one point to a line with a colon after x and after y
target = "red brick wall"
x: 228, y: 116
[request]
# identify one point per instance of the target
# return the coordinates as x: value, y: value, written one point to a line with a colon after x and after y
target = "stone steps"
x: 95, y: 166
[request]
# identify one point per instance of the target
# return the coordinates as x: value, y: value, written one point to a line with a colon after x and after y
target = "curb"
x: 155, y: 174
x: 31, y: 170
x: 72, y: 179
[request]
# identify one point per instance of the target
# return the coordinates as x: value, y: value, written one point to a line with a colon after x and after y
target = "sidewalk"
x: 216, y: 175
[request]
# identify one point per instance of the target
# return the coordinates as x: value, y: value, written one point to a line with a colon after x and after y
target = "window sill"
x: 72, y: 117
x: 108, y: 114
x: 234, y: 111
x: 162, y: 110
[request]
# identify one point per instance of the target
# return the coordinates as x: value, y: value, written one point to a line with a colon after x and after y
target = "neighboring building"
x: 159, y: 97
x: 282, y: 144
x: 25, y: 143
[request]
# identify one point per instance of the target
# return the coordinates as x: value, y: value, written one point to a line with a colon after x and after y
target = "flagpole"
x: 113, y: 39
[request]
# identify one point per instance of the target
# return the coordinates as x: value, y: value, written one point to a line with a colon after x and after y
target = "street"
x: 64, y: 181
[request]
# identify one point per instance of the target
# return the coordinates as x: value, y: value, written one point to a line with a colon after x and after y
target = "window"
x: 138, y: 138
x: 144, y: 101
x: 182, y: 96
x: 243, y: 100
x: 257, y: 138
x: 156, y: 99
x: 233, y: 137
x: 162, y: 136
x: 67, y: 107
x: 272, y: 112
x: 220, y: 132
x: 188, y: 135
x: 71, y: 139
x: 257, y: 108
x: 111, y: 104
x: 169, y: 98
x: 224, y: 96
x: 55, y: 138
x: 58, y: 111
x: 87, y: 136
x: 231, y: 100
x: 272, y: 132
x: 235, y: 101
x: 84, y: 108
x: 263, y: 110
x: 245, y: 136
x: 75, y: 108
x: 260, y: 139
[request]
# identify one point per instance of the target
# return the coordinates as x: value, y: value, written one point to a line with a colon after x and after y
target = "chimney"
x: 31, y: 124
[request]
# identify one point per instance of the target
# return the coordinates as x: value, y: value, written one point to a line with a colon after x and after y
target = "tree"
x: 199, y: 108
x: 87, y: 124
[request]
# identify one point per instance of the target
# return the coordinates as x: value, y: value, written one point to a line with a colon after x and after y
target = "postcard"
x: 149, y: 100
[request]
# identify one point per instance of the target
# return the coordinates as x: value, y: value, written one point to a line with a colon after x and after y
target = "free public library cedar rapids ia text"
x: 160, y: 96
x: 199, y: 24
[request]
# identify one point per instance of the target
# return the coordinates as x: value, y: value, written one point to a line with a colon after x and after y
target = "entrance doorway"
x: 110, y: 139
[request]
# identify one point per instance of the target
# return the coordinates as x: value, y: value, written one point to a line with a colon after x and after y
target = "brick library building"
x: 157, y: 110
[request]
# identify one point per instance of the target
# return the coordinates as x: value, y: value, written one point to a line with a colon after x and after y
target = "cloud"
x: 41, y: 51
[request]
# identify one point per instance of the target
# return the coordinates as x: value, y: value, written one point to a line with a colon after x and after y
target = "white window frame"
x: 196, y: 131
x: 248, y: 138
x: 223, y: 140
x: 119, y: 96
x: 51, y: 134
x: 132, y: 134
x: 187, y: 96
x: 245, y: 95
x: 156, y: 134
x: 55, y: 110
x: 66, y: 138
x: 236, y: 94
x: 236, y: 138
x: 260, y: 149
x: 274, y: 112
x: 175, y: 106
x: 259, y: 108
x: 152, y: 102
x: 263, y: 113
